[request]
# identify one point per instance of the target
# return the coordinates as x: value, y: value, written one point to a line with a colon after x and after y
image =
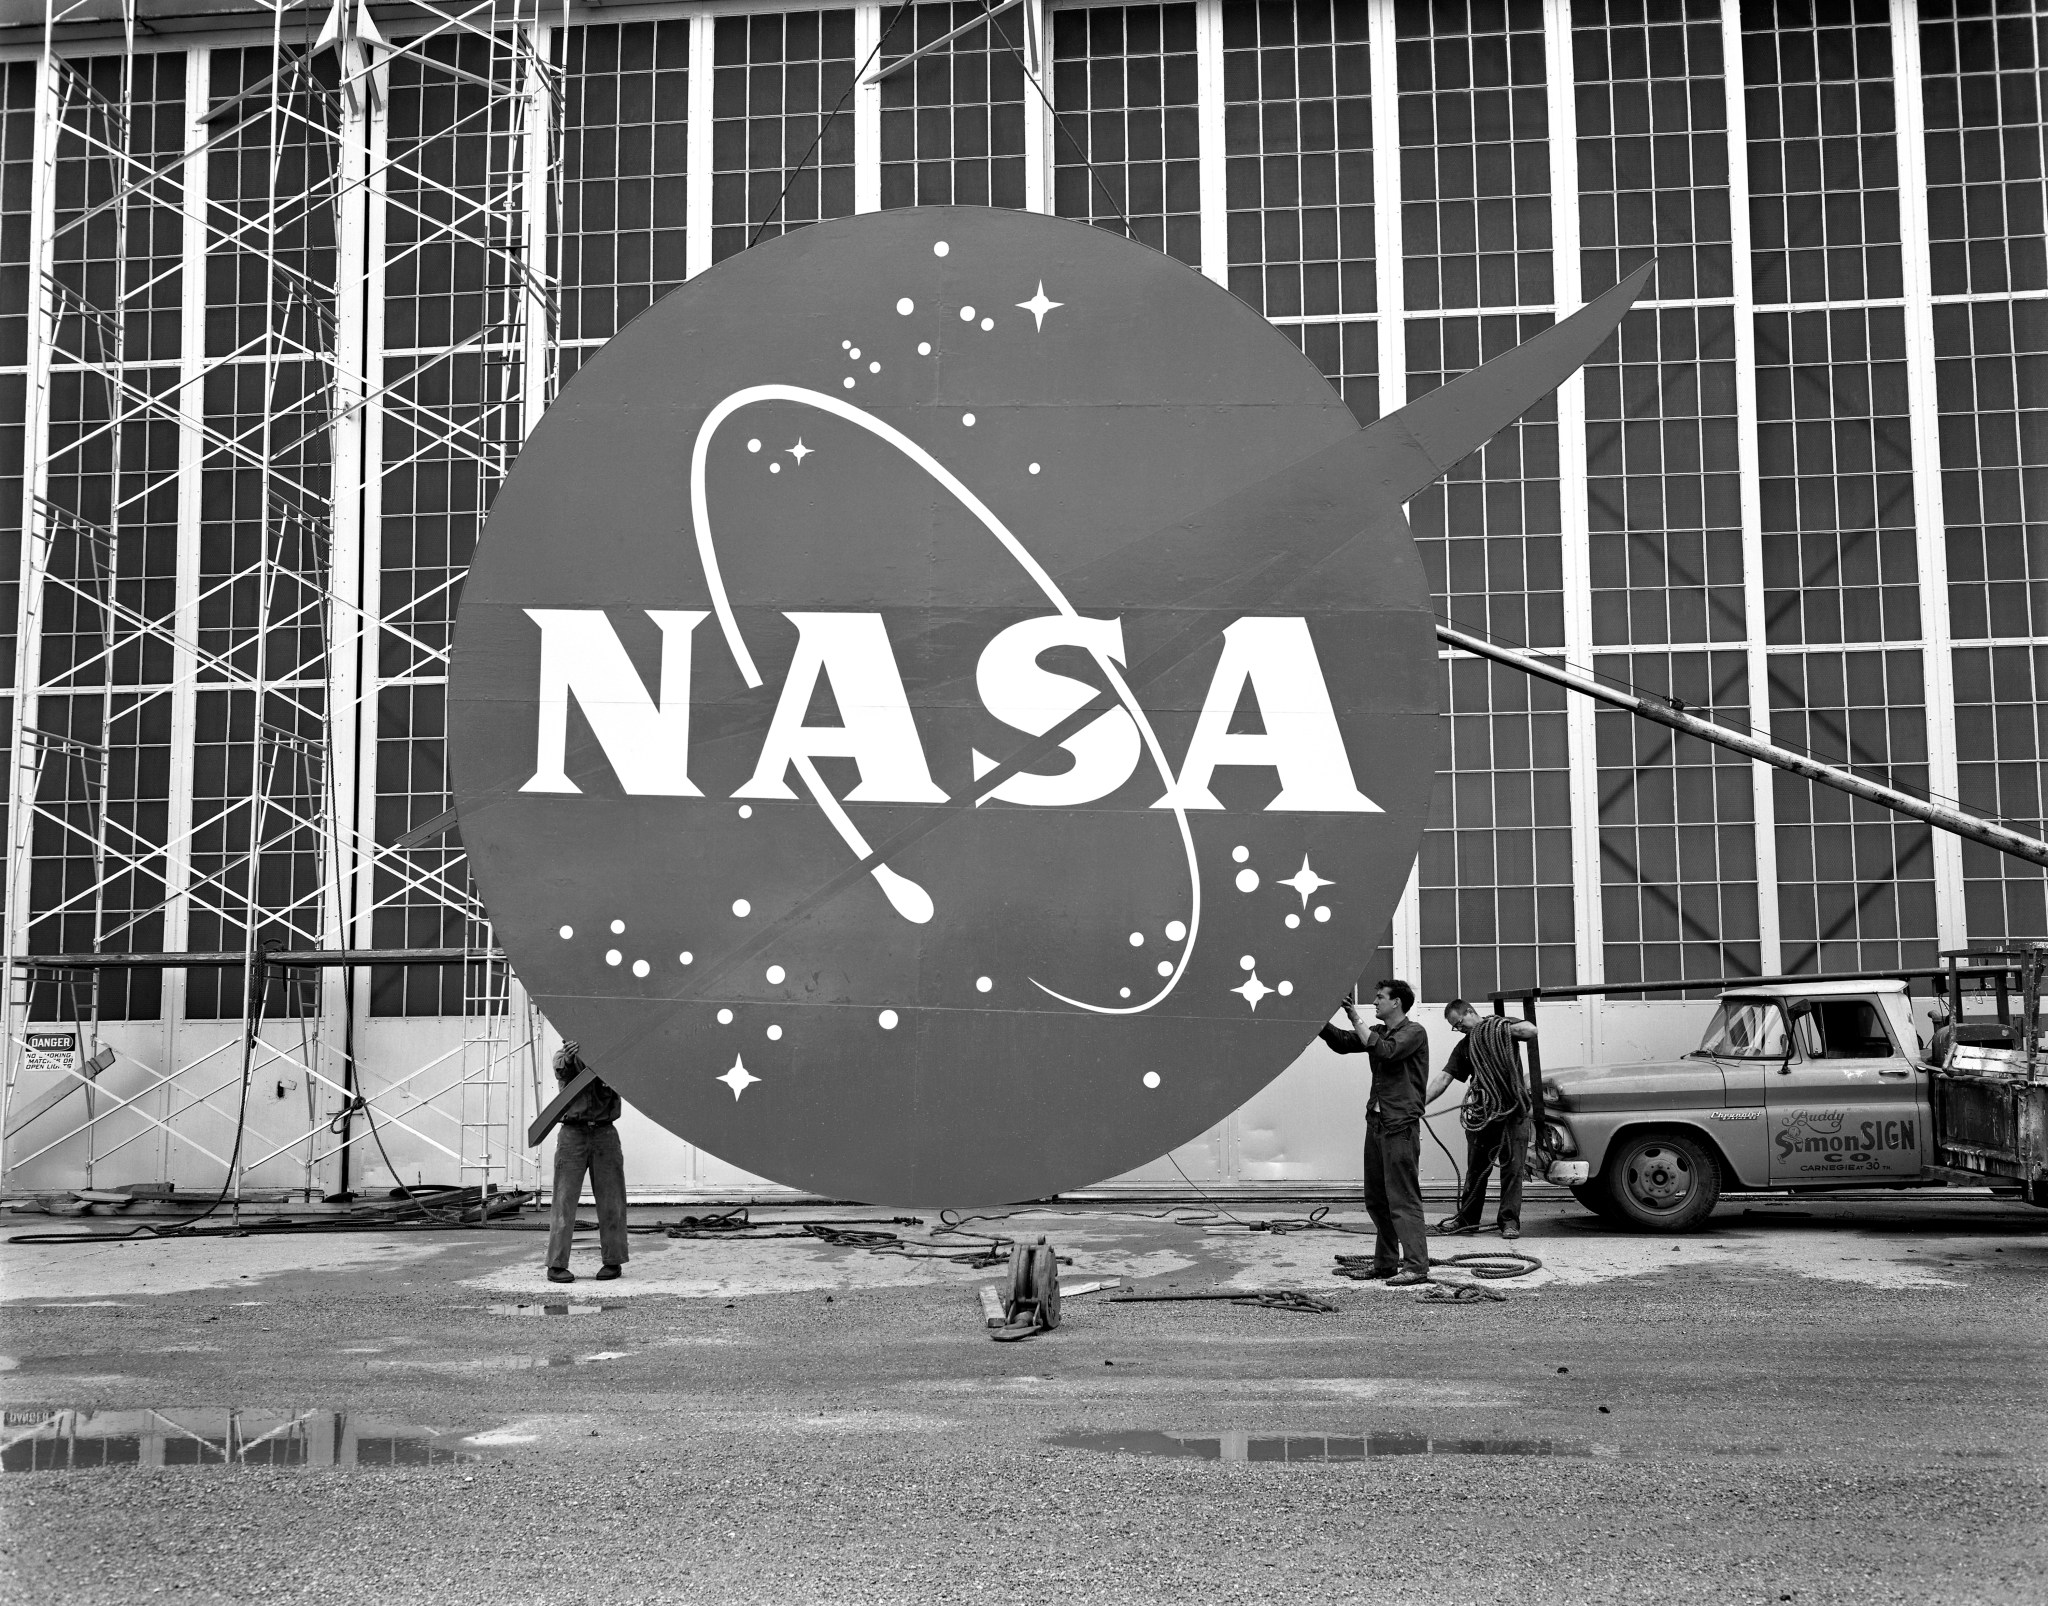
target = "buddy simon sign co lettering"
x: 947, y: 699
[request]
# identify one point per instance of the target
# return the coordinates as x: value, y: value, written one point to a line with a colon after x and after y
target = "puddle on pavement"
x: 552, y: 1308
x: 64, y: 1440
x: 1318, y: 1446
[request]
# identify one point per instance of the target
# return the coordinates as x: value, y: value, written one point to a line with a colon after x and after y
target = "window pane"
x: 777, y: 79
x: 1986, y: 140
x: 1653, y: 147
x: 1475, y: 155
x: 1991, y: 386
x: 1855, y: 881
x: 1663, y: 490
x: 2002, y: 769
x: 1823, y: 150
x: 1835, y: 460
x: 1126, y: 143
x: 953, y: 122
x: 1677, y: 825
x: 1297, y: 140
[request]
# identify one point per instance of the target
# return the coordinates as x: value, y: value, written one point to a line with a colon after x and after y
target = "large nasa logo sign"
x: 945, y: 703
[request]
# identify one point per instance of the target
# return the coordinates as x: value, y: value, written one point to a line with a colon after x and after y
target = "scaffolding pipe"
x: 1673, y: 714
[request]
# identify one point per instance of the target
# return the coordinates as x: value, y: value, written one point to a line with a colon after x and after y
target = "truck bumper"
x: 1568, y: 1173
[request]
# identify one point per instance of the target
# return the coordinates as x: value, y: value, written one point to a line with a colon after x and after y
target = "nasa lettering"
x: 944, y: 704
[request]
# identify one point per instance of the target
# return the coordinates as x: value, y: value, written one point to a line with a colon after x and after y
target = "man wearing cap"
x: 587, y: 1140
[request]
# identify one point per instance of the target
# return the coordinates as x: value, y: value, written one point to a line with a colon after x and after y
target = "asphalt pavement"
x: 1810, y: 1401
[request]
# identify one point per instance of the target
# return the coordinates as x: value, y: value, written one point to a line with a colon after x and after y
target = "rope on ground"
x: 1459, y: 1294
x: 865, y: 1233
x: 1484, y: 1265
x: 1289, y: 1299
x: 1492, y: 1265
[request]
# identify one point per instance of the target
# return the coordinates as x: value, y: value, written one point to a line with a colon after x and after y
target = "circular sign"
x: 941, y: 711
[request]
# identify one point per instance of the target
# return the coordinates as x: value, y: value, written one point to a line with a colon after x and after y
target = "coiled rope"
x: 1499, y: 1090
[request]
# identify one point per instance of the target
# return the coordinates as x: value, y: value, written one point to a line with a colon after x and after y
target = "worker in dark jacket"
x: 587, y: 1140
x: 1393, y: 1128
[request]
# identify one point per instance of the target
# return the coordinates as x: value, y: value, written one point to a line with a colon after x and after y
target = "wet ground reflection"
x: 63, y: 1440
x: 1239, y: 1446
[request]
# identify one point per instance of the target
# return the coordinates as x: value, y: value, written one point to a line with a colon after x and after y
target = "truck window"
x: 1746, y: 1028
x: 1845, y: 1029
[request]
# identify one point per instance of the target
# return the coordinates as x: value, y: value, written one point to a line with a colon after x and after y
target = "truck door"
x: 1848, y: 1107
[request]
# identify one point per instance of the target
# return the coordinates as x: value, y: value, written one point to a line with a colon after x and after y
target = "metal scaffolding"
x: 216, y: 411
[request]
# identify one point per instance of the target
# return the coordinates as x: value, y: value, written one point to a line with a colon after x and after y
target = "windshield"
x: 1746, y: 1028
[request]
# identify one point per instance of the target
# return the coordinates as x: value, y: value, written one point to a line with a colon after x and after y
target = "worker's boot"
x: 607, y: 1272
x: 1511, y: 1229
x: 560, y: 1274
x: 1407, y: 1279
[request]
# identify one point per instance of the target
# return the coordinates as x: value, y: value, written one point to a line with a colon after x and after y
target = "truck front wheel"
x: 1660, y: 1180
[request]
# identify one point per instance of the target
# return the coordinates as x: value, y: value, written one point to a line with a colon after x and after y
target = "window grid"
x: 1986, y: 142
x: 1124, y: 90
x: 1495, y: 874
x: 2002, y: 770
x: 624, y: 155
x: 249, y: 518
x: 1855, y: 881
x: 1663, y: 487
x: 135, y: 317
x: 113, y: 537
x: 1678, y: 883
x: 1489, y: 531
x: 775, y: 78
x: 100, y: 754
x: 17, y: 178
x: 298, y: 163
x: 1991, y: 389
x: 952, y: 123
x: 77, y: 904
x: 1823, y: 150
x: 1297, y: 138
x: 1835, y: 469
x: 1348, y: 355
x: 452, y: 165
x: 227, y: 823
x: 451, y: 422
x: 1653, y: 146
x: 412, y: 788
x: 1828, y: 580
x: 1475, y: 154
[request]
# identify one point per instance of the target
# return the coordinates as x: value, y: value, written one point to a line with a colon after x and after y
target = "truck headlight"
x: 1559, y: 1139
x: 1553, y: 1095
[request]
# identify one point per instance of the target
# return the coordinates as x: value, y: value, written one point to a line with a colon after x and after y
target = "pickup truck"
x: 1799, y: 1086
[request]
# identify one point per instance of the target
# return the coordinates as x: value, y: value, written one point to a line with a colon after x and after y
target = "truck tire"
x: 1660, y: 1180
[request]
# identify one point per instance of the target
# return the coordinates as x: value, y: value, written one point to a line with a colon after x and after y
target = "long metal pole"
x: 1677, y: 718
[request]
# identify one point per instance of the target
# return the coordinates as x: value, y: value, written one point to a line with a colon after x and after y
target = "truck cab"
x: 1804, y: 1086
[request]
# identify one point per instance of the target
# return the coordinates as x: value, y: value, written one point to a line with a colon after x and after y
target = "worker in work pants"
x: 1503, y: 1142
x: 1393, y: 1195
x: 591, y: 1146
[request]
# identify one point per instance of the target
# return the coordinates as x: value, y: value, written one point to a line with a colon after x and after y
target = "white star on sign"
x: 800, y: 451
x: 1038, y: 306
x: 1252, y: 991
x: 1305, y: 881
x: 739, y: 1078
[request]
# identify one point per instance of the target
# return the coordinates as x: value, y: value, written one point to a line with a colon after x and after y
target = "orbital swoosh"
x: 910, y: 900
